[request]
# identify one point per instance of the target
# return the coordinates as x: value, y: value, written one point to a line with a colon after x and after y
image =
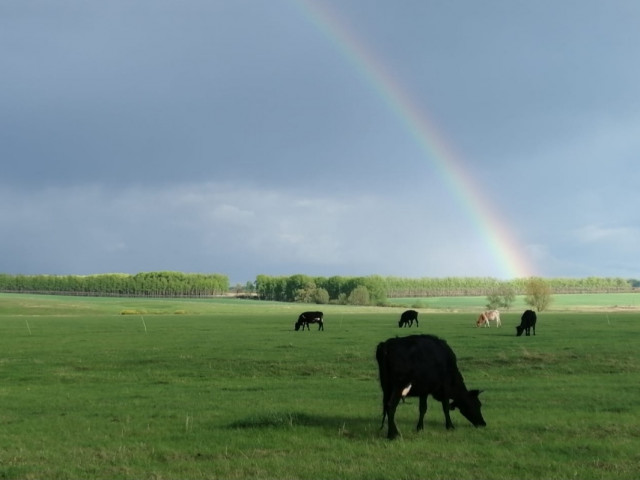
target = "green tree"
x: 537, y: 294
x: 359, y: 296
x: 494, y: 301
x: 376, y: 288
x: 502, y: 296
x: 342, y: 299
x: 321, y: 296
x: 294, y: 284
x: 305, y: 295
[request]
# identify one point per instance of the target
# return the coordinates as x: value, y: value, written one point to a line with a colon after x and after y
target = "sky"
x: 422, y: 138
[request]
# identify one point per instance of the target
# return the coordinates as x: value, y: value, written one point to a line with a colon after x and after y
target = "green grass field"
x: 227, y: 389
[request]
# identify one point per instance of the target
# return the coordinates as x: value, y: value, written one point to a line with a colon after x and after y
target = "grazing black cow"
x: 418, y: 366
x: 527, y: 322
x: 407, y: 318
x: 306, y: 318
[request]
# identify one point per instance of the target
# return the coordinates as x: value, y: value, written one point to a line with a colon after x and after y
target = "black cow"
x: 407, y: 318
x: 306, y: 318
x: 527, y: 322
x: 418, y: 366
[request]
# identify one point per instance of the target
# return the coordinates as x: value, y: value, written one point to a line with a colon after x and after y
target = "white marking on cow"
x: 406, y: 390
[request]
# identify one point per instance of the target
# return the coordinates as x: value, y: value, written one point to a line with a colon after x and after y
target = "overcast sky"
x: 250, y: 136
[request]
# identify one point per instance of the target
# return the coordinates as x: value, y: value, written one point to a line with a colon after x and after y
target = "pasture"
x: 227, y: 389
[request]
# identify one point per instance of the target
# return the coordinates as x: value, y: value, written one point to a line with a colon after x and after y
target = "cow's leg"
x: 447, y: 417
x: 391, y: 406
x: 422, y: 412
x: 385, y: 402
x: 534, y: 329
x: 417, y: 324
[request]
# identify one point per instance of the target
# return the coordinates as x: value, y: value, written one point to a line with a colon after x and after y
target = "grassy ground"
x: 227, y: 389
x: 566, y: 302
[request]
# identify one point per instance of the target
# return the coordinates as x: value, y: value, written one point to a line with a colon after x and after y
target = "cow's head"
x: 298, y: 326
x: 469, y: 405
x: 519, y: 330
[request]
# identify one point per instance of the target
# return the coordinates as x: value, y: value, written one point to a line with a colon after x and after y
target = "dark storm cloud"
x: 239, y: 137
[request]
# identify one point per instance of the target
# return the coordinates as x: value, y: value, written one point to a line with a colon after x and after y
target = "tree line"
x: 370, y: 290
x: 474, y: 286
x: 364, y: 290
x: 377, y: 289
x: 156, y: 284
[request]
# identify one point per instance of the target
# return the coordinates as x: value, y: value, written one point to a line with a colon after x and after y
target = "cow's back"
x: 424, y: 361
x: 528, y: 318
x: 409, y: 315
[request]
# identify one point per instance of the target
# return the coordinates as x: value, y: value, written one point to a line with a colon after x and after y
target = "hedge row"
x: 159, y: 284
x: 294, y: 287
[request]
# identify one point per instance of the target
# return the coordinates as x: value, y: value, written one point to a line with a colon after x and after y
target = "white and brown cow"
x: 486, y: 317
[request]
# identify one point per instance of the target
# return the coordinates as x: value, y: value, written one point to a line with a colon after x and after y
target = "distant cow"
x: 486, y: 317
x: 418, y: 366
x: 407, y: 318
x: 527, y: 322
x: 306, y: 318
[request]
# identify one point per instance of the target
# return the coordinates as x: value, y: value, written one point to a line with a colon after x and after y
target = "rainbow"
x: 499, y: 240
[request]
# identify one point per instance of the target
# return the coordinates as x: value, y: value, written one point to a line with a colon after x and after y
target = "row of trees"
x: 303, y: 287
x: 369, y: 290
x: 157, y: 284
x: 356, y: 290
x: 463, y: 286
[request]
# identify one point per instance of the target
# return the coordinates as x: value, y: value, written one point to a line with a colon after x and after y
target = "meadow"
x: 223, y: 388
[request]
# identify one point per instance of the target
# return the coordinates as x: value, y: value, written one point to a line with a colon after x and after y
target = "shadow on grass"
x: 353, y: 427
